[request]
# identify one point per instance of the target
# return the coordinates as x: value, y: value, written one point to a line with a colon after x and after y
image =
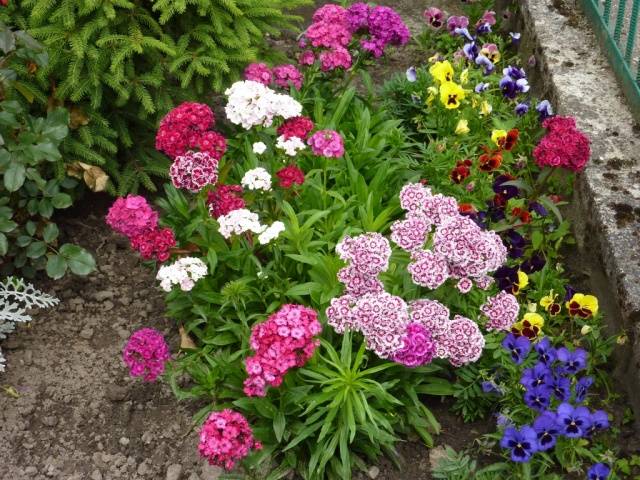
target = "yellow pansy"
x: 583, y: 306
x: 548, y: 302
x: 463, y: 127
x: 442, y: 71
x: 464, y: 76
x: 498, y: 136
x: 530, y: 326
x: 451, y: 94
x: 523, y: 281
x: 485, y: 108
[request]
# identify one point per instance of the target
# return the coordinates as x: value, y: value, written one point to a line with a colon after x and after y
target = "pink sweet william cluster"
x: 282, y: 76
x: 187, y: 127
x: 286, y: 340
x: 333, y: 28
x: 460, y: 249
x: 146, y: 354
x: 226, y: 438
x: 563, y: 145
x: 131, y: 216
x: 501, y: 310
x: 411, y: 334
x: 327, y: 143
x: 134, y: 218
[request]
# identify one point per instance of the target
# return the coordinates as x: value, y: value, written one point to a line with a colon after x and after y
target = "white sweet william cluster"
x: 184, y: 272
x: 238, y: 222
x: 257, y: 179
x: 271, y: 233
x: 290, y: 146
x: 242, y: 220
x: 251, y: 104
x: 259, y: 148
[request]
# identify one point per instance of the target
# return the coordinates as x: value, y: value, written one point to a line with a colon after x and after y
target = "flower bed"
x: 340, y: 256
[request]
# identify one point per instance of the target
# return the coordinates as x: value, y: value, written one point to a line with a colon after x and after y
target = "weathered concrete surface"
x: 577, y: 79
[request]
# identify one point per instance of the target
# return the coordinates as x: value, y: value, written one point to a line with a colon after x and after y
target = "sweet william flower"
x: 257, y: 179
x: 226, y: 438
x: 271, y: 233
x: 259, y: 72
x: 289, y: 176
x: 146, y: 354
x: 259, y: 148
x: 327, y: 143
x: 131, y: 216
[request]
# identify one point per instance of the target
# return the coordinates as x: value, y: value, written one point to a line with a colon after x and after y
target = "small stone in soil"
x: 116, y: 393
x: 124, y: 441
x: 50, y: 421
x: 373, y: 472
x: 87, y: 333
x: 174, y: 471
x: 96, y: 475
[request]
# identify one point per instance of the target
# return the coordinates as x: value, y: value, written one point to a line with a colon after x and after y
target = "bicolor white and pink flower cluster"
x: 284, y: 76
x: 284, y: 341
x: 460, y: 249
x: 252, y: 104
x: 184, y: 272
x: 226, y: 438
x: 501, y: 310
x: 412, y: 334
x: 193, y: 171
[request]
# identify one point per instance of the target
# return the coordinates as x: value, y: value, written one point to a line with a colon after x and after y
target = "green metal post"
x: 633, y: 25
x: 619, y: 21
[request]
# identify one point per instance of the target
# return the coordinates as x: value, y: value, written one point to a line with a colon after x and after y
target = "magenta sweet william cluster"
x: 286, y: 340
x: 226, y: 438
x: 187, y: 127
x: 282, y: 76
x: 146, y: 354
x: 333, y: 28
x: 131, y: 216
x: 134, y: 218
x: 563, y: 146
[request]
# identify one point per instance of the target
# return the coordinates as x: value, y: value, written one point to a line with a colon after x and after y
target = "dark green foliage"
x: 34, y: 182
x: 120, y: 65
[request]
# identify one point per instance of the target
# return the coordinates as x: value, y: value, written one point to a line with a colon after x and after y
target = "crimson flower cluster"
x: 187, y: 127
x: 286, y: 340
x: 299, y: 127
x: 146, y: 354
x: 289, y: 176
x: 225, y: 199
x: 226, y: 438
x: 563, y: 145
x: 134, y: 218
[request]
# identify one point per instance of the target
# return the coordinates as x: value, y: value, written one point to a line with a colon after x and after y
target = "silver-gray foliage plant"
x: 16, y: 298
